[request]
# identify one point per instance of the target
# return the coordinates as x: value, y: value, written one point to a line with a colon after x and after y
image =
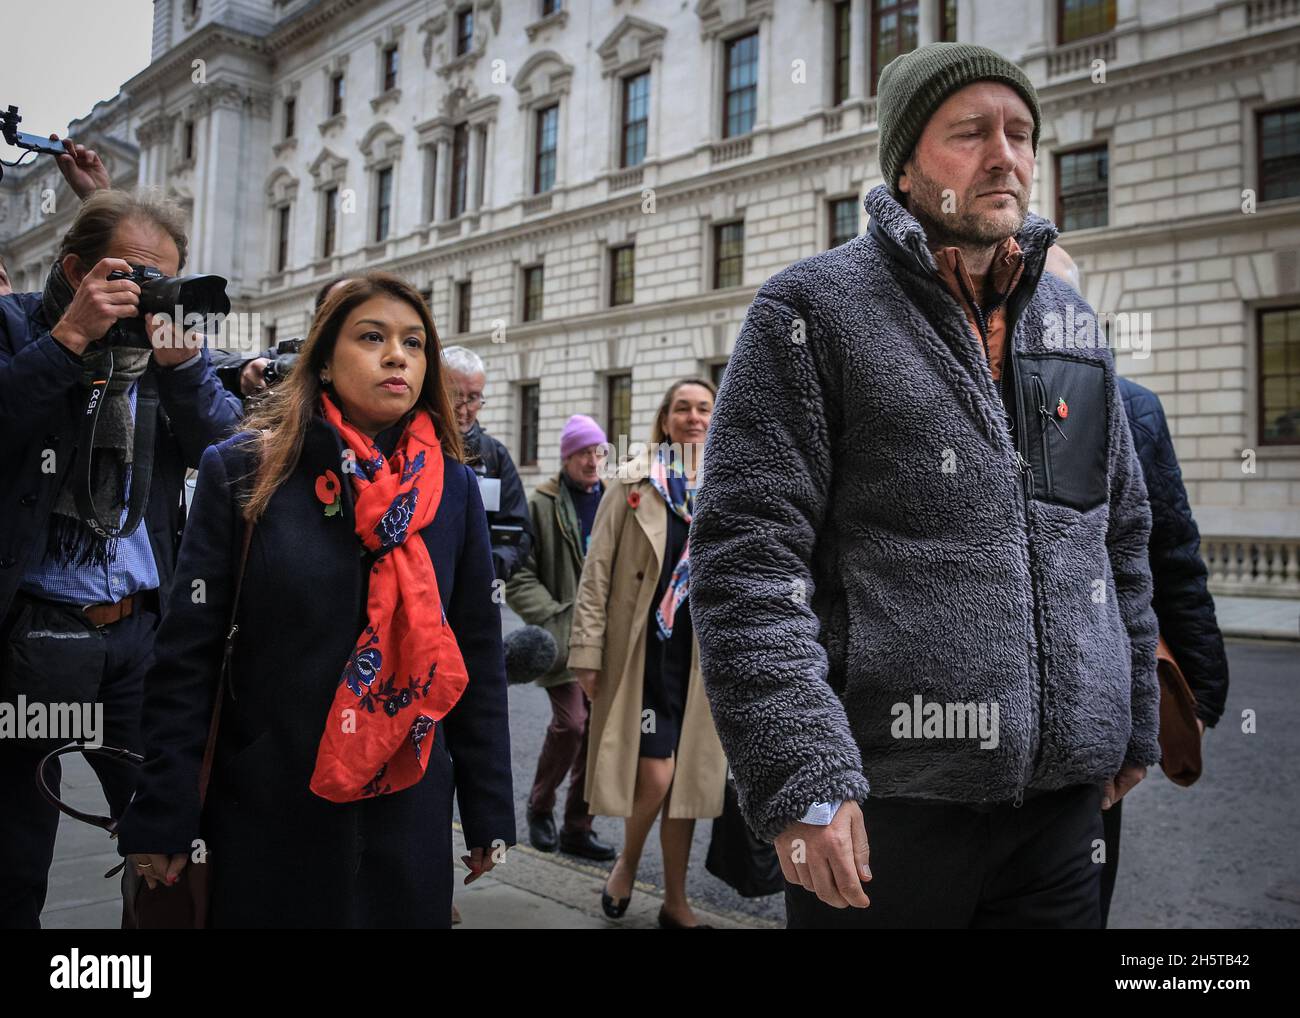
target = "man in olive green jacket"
x: 542, y: 593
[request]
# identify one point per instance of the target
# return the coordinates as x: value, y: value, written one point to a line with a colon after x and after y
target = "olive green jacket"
x: 543, y: 589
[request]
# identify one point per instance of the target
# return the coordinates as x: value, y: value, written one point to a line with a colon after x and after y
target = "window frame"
x: 1058, y: 207
x: 1289, y: 444
x: 728, y: 47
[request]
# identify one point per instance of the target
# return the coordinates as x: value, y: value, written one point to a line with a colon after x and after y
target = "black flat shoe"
x: 586, y: 845
x: 667, y: 922
x: 541, y: 833
x: 613, y: 909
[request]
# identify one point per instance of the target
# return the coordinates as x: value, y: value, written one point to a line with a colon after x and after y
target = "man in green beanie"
x: 927, y: 614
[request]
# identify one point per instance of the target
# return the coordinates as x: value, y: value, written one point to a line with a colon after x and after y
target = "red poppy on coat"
x: 634, y: 498
x: 327, y: 487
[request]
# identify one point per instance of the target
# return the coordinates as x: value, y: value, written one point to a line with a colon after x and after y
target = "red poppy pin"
x: 634, y: 498
x: 1062, y: 411
x: 328, y: 491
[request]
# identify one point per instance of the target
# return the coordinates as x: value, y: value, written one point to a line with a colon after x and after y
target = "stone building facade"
x: 590, y: 191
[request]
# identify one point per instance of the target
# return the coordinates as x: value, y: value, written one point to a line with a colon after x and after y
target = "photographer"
x: 79, y: 603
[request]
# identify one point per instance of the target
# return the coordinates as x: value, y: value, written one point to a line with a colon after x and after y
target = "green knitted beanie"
x: 914, y: 85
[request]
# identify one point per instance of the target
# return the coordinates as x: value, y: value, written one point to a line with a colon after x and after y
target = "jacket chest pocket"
x: 1066, y: 429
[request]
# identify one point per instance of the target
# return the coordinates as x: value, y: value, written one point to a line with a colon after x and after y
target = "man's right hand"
x: 97, y: 304
x: 830, y: 861
x: 587, y: 680
x: 252, y: 377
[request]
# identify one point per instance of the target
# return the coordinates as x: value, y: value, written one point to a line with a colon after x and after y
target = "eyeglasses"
x: 475, y: 400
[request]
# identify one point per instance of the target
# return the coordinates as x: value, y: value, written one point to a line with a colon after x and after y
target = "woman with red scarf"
x: 367, y: 681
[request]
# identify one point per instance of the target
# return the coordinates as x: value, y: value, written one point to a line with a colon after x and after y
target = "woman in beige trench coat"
x: 612, y: 620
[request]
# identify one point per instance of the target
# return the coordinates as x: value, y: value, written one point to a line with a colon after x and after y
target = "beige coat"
x: 618, y: 582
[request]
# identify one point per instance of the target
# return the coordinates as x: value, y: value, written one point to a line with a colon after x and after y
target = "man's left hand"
x: 170, y: 346
x: 82, y: 169
x: 1120, y: 785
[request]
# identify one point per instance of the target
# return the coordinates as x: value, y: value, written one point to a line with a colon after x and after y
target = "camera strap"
x: 146, y: 424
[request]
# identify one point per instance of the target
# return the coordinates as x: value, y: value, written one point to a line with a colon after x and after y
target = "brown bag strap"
x: 223, y: 681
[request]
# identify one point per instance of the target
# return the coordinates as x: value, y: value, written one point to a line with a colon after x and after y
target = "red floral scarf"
x: 406, y: 671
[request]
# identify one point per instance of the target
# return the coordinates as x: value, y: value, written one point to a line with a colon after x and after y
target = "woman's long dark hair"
x: 283, y: 415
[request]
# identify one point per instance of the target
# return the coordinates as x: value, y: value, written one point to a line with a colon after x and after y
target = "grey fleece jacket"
x: 878, y: 520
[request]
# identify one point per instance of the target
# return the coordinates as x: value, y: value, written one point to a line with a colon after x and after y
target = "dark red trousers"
x: 564, y: 751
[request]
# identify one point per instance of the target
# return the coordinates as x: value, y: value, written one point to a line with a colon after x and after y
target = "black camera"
x: 281, y: 361
x: 182, y: 297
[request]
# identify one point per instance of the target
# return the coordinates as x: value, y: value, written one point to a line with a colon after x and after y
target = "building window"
x: 948, y: 21
x: 282, y: 238
x: 390, y: 68
x: 336, y: 94
x: 716, y: 372
x: 1279, y: 153
x: 459, y: 170
x: 1078, y: 19
x: 618, y: 400
x: 426, y: 295
x: 740, y: 101
x: 464, y: 30
x: 1082, y: 192
x: 532, y: 293
x: 189, y: 141
x: 622, y: 274
x: 530, y: 405
x: 728, y: 254
x: 462, y: 306
x: 383, y: 202
x: 1279, y: 376
x: 548, y: 121
x: 636, y: 112
x: 893, y: 33
x: 844, y: 220
x: 270, y: 337
x: 550, y: 7
x: 843, y: 34
x: 290, y: 117
x: 328, y: 235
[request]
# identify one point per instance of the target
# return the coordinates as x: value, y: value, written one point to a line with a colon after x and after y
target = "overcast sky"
x: 63, y: 56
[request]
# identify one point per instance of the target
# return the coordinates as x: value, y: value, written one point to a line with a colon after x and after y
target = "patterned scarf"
x: 71, y: 542
x: 670, y: 482
x: 406, y: 671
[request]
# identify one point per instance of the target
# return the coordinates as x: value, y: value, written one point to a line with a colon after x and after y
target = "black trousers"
x: 945, y: 865
x: 29, y: 824
x: 1110, y: 822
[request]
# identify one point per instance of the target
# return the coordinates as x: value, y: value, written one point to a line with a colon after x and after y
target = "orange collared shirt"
x: 1004, y: 273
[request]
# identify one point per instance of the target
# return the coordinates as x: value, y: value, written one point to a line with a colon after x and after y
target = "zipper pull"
x: 1028, y: 473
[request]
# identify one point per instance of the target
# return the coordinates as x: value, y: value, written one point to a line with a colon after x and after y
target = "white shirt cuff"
x: 821, y: 813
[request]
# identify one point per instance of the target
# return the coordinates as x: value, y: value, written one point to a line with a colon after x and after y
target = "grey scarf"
x: 70, y: 541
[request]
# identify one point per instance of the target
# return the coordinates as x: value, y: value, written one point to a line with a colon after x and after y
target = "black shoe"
x: 586, y: 845
x: 541, y: 832
x: 667, y: 922
x: 613, y: 909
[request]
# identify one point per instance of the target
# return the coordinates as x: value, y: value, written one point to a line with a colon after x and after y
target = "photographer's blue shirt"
x: 131, y: 570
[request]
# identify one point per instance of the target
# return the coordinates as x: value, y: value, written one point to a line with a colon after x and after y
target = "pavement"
x: 1264, y: 618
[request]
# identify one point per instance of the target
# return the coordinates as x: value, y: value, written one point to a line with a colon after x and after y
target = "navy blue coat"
x: 1181, y: 598
x: 282, y: 856
x: 41, y: 403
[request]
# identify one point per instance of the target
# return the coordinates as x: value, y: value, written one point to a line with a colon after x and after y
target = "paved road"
x: 1219, y: 854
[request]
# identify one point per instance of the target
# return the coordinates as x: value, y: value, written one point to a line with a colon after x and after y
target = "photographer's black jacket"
x: 489, y: 458
x: 1181, y: 599
x: 40, y: 406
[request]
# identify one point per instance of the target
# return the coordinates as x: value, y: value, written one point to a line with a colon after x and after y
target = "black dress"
x: 667, y: 662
